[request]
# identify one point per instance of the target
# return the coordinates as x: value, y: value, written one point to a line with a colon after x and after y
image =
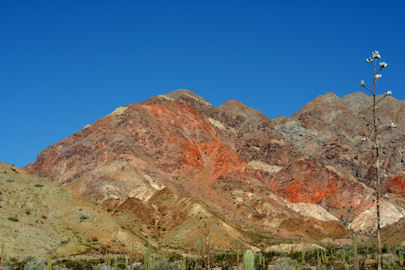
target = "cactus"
x: 201, y: 248
x: 260, y: 258
x: 49, y: 265
x: 153, y: 262
x: 202, y: 245
x: 149, y: 260
x: 303, y: 256
x: 368, y: 245
x: 401, y: 258
x: 346, y: 266
x: 145, y: 260
x: 349, y: 257
x: 344, y: 256
x: 324, y: 257
x: 206, y: 250
x: 126, y: 262
x: 115, y: 263
x: 131, y: 256
x: 183, y: 264
x: 237, y: 256
x: 262, y: 262
x: 249, y: 260
x: 355, y: 255
x: 3, y: 256
x: 318, y: 257
x: 198, y: 248
x: 108, y: 260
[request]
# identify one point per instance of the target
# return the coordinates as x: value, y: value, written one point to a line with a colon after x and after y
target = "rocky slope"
x: 174, y: 166
x: 39, y: 218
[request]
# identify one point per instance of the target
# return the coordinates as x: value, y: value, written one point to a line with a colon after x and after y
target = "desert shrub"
x: 64, y: 242
x: 164, y: 264
x: 320, y: 267
x: 14, y: 219
x: 285, y: 263
x: 81, y: 264
x: 103, y: 267
x: 31, y: 263
x: 390, y: 261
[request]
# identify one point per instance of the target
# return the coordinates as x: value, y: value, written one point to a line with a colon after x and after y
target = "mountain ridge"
x: 235, y: 165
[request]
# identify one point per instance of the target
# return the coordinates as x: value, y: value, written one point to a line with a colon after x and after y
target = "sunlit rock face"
x: 257, y: 174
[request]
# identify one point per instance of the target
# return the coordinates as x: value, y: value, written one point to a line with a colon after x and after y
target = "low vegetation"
x: 354, y: 256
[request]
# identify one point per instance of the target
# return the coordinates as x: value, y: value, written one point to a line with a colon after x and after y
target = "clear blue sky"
x: 67, y: 63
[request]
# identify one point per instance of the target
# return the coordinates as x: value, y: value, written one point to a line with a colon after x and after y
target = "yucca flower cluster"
x: 375, y: 56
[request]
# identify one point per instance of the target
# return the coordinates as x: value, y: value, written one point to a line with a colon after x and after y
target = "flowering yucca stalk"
x: 377, y: 68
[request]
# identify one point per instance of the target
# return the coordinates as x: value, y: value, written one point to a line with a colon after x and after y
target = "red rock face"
x: 232, y: 160
x: 396, y: 185
x: 309, y: 181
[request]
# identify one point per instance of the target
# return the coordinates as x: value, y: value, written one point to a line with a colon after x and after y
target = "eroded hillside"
x: 174, y: 166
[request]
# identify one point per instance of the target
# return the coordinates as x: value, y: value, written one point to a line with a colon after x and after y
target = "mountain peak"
x: 358, y: 101
x: 237, y: 108
x: 179, y: 93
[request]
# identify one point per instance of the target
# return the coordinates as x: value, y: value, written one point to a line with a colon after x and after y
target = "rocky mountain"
x: 174, y: 167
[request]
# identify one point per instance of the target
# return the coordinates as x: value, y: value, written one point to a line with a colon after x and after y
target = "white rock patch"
x: 119, y: 111
x: 166, y: 97
x: 153, y: 183
x: 260, y: 165
x: 216, y: 123
x: 313, y: 210
x: 367, y: 219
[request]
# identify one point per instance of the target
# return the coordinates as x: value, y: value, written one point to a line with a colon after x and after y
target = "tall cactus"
x: 344, y: 256
x: 302, y: 256
x: 49, y: 266
x: 355, y: 254
x: 109, y: 260
x: 206, y: 250
x: 148, y: 262
x: 238, y: 256
x: 131, y: 256
x: 149, y: 259
x: 3, y: 256
x: 401, y: 258
x: 126, y: 263
x: 368, y: 245
x: 249, y: 260
x: 324, y: 256
x: 262, y: 262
